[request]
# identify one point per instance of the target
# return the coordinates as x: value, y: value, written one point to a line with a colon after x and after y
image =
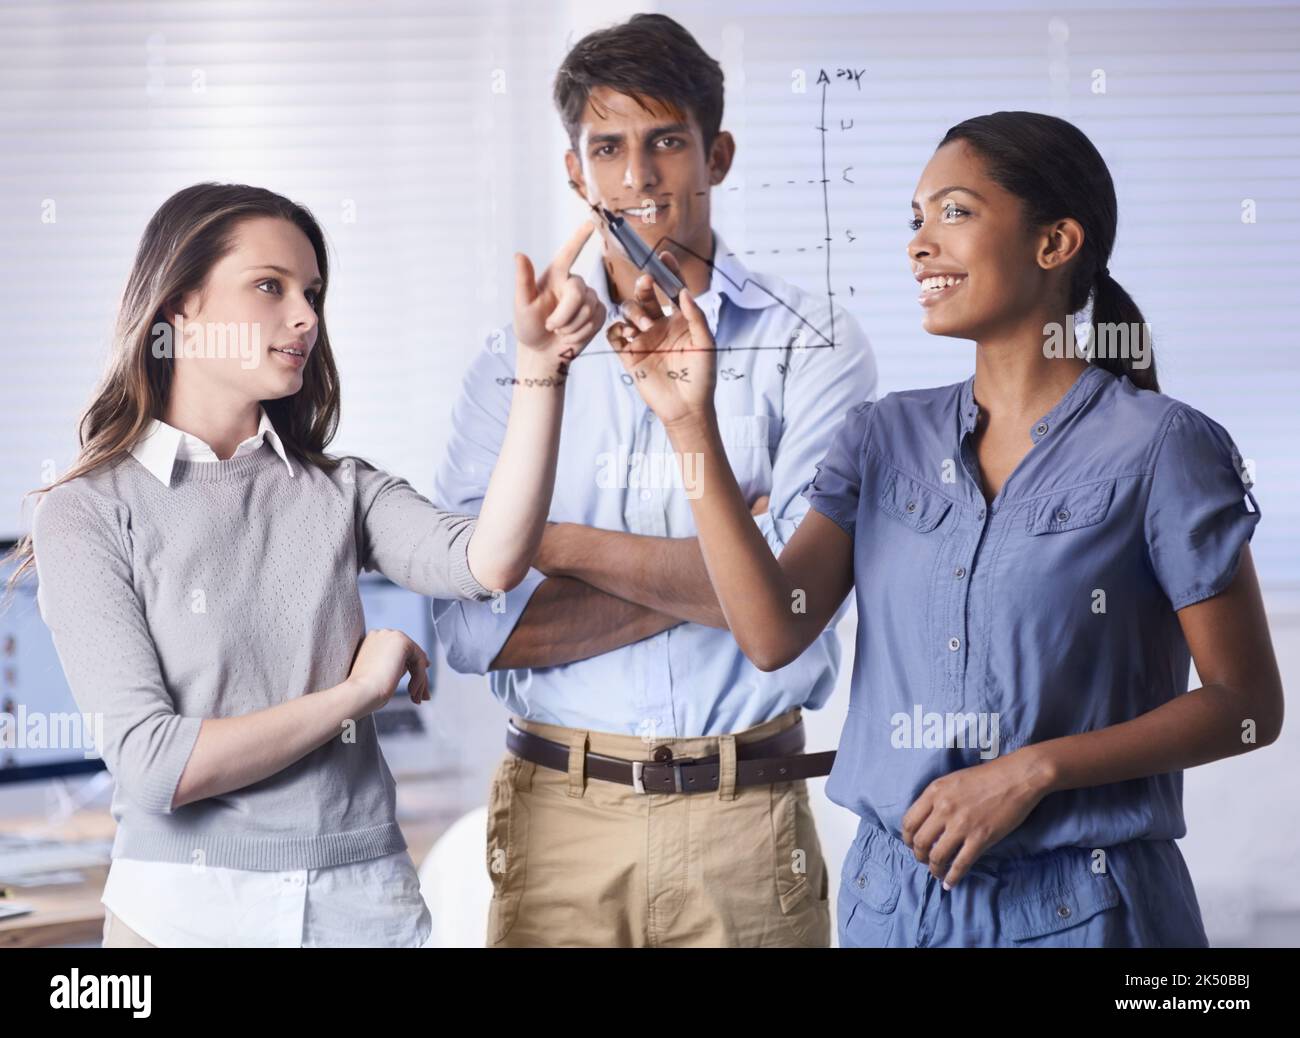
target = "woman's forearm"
x: 518, y: 498
x: 1201, y: 726
x: 233, y: 752
x: 753, y: 590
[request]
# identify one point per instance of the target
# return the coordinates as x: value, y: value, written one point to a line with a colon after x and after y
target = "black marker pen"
x: 640, y: 253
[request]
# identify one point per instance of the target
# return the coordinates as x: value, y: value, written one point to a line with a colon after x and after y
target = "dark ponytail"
x: 1111, y: 305
x: 1054, y: 169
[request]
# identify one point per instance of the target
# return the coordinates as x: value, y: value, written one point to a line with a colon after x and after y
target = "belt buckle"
x: 638, y: 772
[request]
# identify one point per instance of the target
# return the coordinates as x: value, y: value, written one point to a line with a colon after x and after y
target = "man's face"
x: 650, y: 166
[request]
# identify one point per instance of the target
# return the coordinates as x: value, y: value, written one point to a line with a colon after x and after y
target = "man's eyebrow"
x: 945, y: 190
x: 280, y: 270
x: 617, y: 138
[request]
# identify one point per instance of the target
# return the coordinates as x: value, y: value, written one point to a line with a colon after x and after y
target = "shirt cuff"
x: 777, y: 532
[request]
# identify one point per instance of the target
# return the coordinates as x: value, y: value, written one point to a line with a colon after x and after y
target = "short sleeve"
x: 834, y: 489
x: 1196, y: 518
x: 819, y: 386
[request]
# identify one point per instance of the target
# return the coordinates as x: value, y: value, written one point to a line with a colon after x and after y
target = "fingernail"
x: 945, y: 885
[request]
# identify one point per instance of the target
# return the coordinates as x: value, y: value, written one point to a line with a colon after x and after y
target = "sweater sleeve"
x: 409, y: 539
x: 88, y: 600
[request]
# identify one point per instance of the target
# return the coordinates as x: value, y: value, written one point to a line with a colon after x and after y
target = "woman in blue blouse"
x: 1036, y: 552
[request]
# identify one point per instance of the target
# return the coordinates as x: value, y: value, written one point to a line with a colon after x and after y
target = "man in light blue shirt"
x: 614, y: 646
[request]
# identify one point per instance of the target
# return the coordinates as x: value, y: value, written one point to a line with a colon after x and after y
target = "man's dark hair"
x: 649, y: 55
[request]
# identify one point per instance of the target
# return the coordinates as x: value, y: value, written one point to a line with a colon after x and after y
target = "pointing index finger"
x: 559, y: 267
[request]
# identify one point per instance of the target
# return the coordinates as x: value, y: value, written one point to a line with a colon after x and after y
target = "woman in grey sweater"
x: 198, y: 570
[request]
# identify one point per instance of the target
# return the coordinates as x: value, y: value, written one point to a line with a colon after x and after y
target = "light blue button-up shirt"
x: 782, y: 390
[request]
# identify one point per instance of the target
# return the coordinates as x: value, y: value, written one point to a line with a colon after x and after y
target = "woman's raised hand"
x: 671, y: 357
x: 556, y: 313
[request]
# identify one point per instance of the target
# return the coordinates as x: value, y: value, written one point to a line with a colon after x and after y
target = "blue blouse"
x: 983, y: 628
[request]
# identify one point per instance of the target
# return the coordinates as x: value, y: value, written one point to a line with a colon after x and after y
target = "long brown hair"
x: 188, y: 234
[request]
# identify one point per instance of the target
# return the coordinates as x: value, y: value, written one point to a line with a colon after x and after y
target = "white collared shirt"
x: 162, y: 445
x: 373, y: 903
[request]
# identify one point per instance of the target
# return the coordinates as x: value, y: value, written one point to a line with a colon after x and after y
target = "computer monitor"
x: 43, y: 734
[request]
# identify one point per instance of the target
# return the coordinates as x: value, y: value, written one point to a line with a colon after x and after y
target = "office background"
x: 423, y: 138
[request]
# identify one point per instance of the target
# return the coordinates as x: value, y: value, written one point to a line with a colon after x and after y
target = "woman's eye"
x: 950, y: 212
x: 312, y: 295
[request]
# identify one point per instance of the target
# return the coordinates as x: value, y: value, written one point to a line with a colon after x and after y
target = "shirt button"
x: 862, y: 881
x: 980, y: 515
x: 1041, y: 428
x: 1062, y: 515
x: 645, y: 495
x: 1063, y: 911
x: 959, y: 572
x: 911, y: 506
x: 954, y: 644
x: 663, y: 754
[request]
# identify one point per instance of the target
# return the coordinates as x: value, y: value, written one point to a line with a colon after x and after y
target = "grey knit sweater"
x: 233, y: 590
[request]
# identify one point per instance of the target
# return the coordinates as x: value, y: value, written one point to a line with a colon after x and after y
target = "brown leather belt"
x: 778, y: 758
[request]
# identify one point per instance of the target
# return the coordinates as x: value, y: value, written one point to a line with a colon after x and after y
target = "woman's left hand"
x: 962, y: 814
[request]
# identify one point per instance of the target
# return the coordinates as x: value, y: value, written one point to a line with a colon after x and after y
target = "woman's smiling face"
x: 974, y: 257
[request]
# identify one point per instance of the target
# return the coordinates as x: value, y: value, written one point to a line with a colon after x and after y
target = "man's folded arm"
x: 568, y: 620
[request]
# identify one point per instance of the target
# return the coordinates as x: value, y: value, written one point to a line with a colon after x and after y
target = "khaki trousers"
x: 588, y: 863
